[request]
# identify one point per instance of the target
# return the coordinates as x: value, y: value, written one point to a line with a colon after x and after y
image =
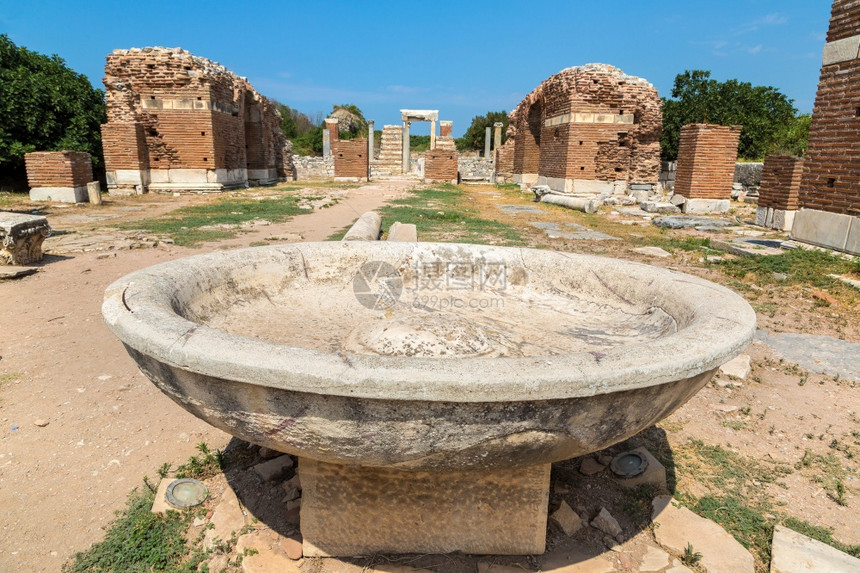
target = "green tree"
x: 473, y: 139
x: 764, y: 112
x: 44, y: 106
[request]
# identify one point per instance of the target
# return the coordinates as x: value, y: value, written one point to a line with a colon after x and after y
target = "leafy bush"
x: 768, y: 117
x: 473, y: 139
x: 139, y: 541
x: 45, y: 106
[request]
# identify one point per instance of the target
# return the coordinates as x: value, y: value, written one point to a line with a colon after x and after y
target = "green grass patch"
x: 443, y: 213
x: 221, y: 219
x: 7, y: 377
x: 740, y: 519
x: 140, y: 541
x: 822, y: 534
x: 800, y: 266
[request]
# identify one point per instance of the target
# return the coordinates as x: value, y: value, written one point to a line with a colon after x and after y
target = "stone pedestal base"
x: 60, y: 194
x: 705, y: 206
x: 778, y: 219
x: 352, y: 510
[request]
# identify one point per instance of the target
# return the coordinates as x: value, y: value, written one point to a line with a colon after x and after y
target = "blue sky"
x: 464, y: 58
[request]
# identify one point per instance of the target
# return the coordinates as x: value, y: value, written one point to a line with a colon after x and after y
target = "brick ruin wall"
x: 590, y: 122
x: 706, y: 161
x: 505, y: 158
x: 350, y: 157
x: 440, y: 165
x: 167, y: 109
x: 831, y: 178
x: 780, y: 182
x: 58, y: 169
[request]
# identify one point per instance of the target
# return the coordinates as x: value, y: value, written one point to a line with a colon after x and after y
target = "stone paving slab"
x: 686, y: 221
x: 821, y: 354
x: 796, y: 553
x: 678, y: 526
x: 520, y: 209
x: 571, y: 231
x: 749, y: 246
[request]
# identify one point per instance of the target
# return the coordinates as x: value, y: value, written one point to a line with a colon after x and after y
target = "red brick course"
x: 844, y: 20
x: 577, y: 149
x: 780, y: 182
x: 58, y: 169
x: 441, y: 165
x: 831, y: 172
x: 350, y: 157
x: 706, y: 161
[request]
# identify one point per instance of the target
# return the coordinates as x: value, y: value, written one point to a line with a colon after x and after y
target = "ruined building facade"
x: 585, y: 129
x: 180, y: 122
x: 830, y: 187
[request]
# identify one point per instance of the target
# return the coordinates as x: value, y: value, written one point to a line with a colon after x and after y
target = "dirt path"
x: 107, y: 426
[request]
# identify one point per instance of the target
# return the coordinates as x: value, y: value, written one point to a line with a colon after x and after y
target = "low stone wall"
x: 476, y: 168
x: 749, y: 175
x: 311, y: 167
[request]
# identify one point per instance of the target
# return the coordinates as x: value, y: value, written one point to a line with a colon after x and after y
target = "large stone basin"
x: 422, y: 358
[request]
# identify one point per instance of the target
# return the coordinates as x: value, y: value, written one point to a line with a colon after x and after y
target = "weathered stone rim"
x: 140, y: 309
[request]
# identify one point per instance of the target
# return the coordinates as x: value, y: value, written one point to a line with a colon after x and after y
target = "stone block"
x: 652, y: 252
x: 842, y: 50
x: 738, y: 367
x: 704, y: 206
x: 607, y: 524
x: 653, y: 560
x: 274, y: 469
x: 796, y: 553
x: 658, y: 207
x: 186, y: 176
x: 567, y: 519
x: 366, y: 228
x: 353, y: 510
x: 654, y: 474
x: 763, y: 216
x: 59, y: 194
x: 852, y: 241
x: 678, y: 526
x: 400, y: 232
x: 128, y: 177
x: 94, y: 192
x: 783, y: 220
x: 159, y: 176
x: 160, y: 503
x: 822, y: 228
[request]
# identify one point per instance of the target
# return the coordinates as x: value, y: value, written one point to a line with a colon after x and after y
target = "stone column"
x: 371, y: 141
x: 487, y: 143
x: 406, y: 146
x: 497, y: 135
x: 432, y: 134
x: 329, y: 135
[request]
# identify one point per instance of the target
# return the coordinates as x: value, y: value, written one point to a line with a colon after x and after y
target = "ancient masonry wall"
x: 706, y: 161
x: 350, y: 158
x: 440, y: 165
x: 780, y: 182
x: 588, y: 123
x: 830, y: 187
x: 59, y: 175
x: 180, y: 122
